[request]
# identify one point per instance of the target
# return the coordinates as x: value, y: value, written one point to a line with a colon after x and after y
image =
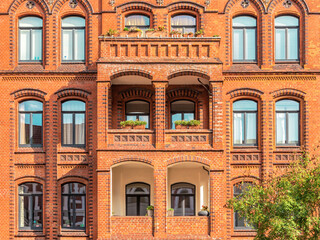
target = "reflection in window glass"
x: 183, y: 199
x: 182, y: 110
x: 240, y: 222
x: 138, y: 110
x: 138, y: 21
x: 137, y: 199
x: 184, y: 24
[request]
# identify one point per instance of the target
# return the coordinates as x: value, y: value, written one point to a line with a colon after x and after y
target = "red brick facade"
x: 158, y: 69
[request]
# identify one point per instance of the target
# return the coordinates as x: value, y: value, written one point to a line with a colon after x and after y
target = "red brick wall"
x: 130, y: 226
x: 188, y: 226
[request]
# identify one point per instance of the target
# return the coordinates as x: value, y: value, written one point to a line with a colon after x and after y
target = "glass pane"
x: 80, y: 202
x: 287, y: 21
x: 238, y: 44
x: 250, y: 44
x: 74, y: 106
x: 189, y: 205
x: 138, y: 188
x: 80, y: 129
x: 66, y: 220
x: 132, y: 206
x: 30, y: 188
x: 240, y: 187
x: 183, y: 20
x: 144, y: 203
x: 293, y: 44
x: 78, y: 188
x: 179, y: 29
x: 280, y: 44
x: 175, y: 117
x: 182, y: 188
x: 238, y: 221
x: 145, y: 119
x: 189, y: 30
x: 67, y: 129
x: 67, y: 45
x: 73, y: 22
x: 37, y: 211
x: 24, y: 128
x: 37, y: 128
x: 36, y: 38
x: 30, y: 106
x: 281, y: 128
x: 24, y: 47
x: 30, y: 22
x: 137, y: 107
x: 244, y: 21
x: 177, y: 205
x: 79, y: 45
x: 238, y: 128
x: 287, y: 105
x: 293, y: 128
x: 182, y: 106
x: 251, y: 128
x: 245, y: 105
x: 137, y: 20
x: 132, y: 117
x: 188, y: 116
x: 25, y: 207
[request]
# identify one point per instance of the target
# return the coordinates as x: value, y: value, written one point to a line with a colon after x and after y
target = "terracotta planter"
x: 155, y: 34
x: 150, y: 213
x: 178, y: 126
x: 139, y: 127
x: 134, y: 34
x: 194, y: 127
x: 170, y: 213
x: 127, y: 127
x: 184, y: 127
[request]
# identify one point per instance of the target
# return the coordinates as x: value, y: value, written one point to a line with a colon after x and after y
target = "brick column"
x: 160, y: 112
x: 216, y: 114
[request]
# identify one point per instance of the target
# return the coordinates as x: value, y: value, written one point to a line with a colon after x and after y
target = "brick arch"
x: 300, y: 3
x: 28, y: 92
x: 245, y: 92
x: 127, y: 72
x: 288, y: 92
x: 72, y: 92
x: 139, y: 92
x: 16, y: 3
x: 132, y: 159
x: 135, y: 6
x: 189, y: 72
x: 30, y: 178
x: 259, y: 5
x: 182, y: 92
x: 73, y: 178
x: 244, y: 178
x: 185, y: 6
x: 188, y: 158
x: 86, y: 4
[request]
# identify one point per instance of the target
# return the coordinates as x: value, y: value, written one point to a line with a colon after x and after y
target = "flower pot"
x: 134, y: 34
x: 171, y: 213
x: 194, y: 127
x: 155, y: 34
x: 178, y: 126
x: 184, y: 127
x: 203, y: 213
x: 150, y: 213
x: 127, y: 127
x: 139, y: 127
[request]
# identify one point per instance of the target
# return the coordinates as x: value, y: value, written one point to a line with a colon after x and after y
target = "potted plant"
x: 216, y: 36
x: 175, y: 33
x: 150, y: 210
x: 204, y: 211
x: 154, y: 33
x: 135, y: 32
x: 194, y: 124
x: 170, y: 212
x: 139, y: 124
x: 199, y: 33
x: 190, y: 34
x: 178, y: 124
x: 184, y: 124
x: 127, y: 124
x: 111, y: 32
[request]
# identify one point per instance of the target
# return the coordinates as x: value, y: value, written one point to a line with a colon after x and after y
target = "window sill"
x: 73, y: 233
x: 245, y: 149
x: 245, y: 62
x: 287, y: 149
x: 29, y: 150
x: 30, y: 233
x: 131, y: 131
x: 74, y: 62
x: 67, y: 149
x: 30, y: 62
x: 188, y: 131
x: 244, y: 232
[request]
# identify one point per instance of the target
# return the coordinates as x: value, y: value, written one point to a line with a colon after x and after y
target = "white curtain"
x: 281, y: 128
x: 238, y: 127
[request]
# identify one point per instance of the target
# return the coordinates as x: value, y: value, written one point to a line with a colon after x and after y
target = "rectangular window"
x: 238, y: 127
x: 67, y: 48
x: 67, y: 129
x: 238, y: 54
x: 250, y: 47
x: 281, y: 128
x: 293, y: 131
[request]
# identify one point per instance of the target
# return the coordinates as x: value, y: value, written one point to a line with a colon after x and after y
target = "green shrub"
x: 111, y: 32
x: 126, y: 29
x: 194, y: 123
x: 127, y: 123
x: 139, y: 123
x: 184, y: 123
x: 150, y: 207
x: 150, y: 30
x: 134, y: 29
x: 178, y: 122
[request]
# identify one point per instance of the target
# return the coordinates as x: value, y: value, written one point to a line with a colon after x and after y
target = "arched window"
x: 30, y: 206
x: 73, y: 123
x: 137, y: 21
x: 73, y: 205
x: 183, y: 199
x: 137, y: 199
x: 287, y: 38
x: 138, y: 110
x: 240, y: 223
x: 244, y: 39
x: 30, y: 123
x: 245, y: 122
x: 30, y: 39
x: 73, y: 39
x: 184, y: 24
x: 287, y: 122
x: 182, y: 110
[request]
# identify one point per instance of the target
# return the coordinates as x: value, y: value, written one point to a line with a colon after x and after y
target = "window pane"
x: 238, y: 44
x: 24, y: 48
x: 78, y: 188
x: 182, y: 106
x: 132, y: 206
x: 293, y: 128
x: 287, y: 105
x: 36, y: 43
x: 137, y: 20
x: 175, y: 117
x: 280, y: 44
x: 80, y: 129
x: 80, y: 211
x: 37, y: 128
x: 79, y: 46
x: 137, y: 107
x: 145, y: 119
x: 37, y: 211
x: 250, y: 44
x: 24, y: 128
x: 138, y: 188
x: 244, y: 21
x: 188, y: 116
x: 239, y: 221
x: 293, y: 44
x: 251, y: 128
x: 287, y: 21
x: 238, y: 128
x: 67, y: 46
x: 177, y: 205
x: 30, y: 22
x: 73, y: 106
x: 131, y: 117
x: 183, y: 20
x: 189, y: 205
x: 144, y: 203
x: 189, y: 30
x: 182, y: 188
x: 281, y: 128
x: 245, y: 105
x: 24, y: 210
x: 31, y: 105
x: 73, y: 22
x: 66, y: 221
x: 67, y: 129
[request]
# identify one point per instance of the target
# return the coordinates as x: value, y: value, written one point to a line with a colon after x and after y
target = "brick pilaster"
x: 216, y: 114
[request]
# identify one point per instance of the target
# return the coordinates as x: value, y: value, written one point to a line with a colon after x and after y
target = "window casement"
x: 73, y: 206
x: 138, y: 110
x: 30, y: 206
x: 287, y: 39
x: 139, y: 21
x: 183, y: 199
x: 240, y: 223
x: 73, y: 39
x: 244, y: 44
x: 182, y: 110
x: 245, y: 123
x: 287, y: 122
x: 30, y: 39
x: 137, y: 199
x: 73, y: 123
x: 184, y: 23
x: 30, y: 123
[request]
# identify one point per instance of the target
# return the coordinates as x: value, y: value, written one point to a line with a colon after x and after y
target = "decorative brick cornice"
x: 245, y: 92
x: 57, y: 6
x: 182, y: 92
x: 288, y: 92
x: 136, y: 92
x: 257, y: 3
x: 271, y: 78
x: 185, y: 6
x: 28, y: 92
x: 72, y: 92
x: 189, y: 73
x: 132, y: 159
x: 16, y: 3
x: 300, y: 3
x: 188, y: 159
x: 128, y: 72
x: 135, y: 6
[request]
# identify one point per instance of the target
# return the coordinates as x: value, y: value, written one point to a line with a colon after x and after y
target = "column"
x: 216, y: 115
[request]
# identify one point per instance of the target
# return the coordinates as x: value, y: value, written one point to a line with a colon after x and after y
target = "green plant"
x: 134, y: 29
x: 150, y: 207
x: 170, y: 209
x: 178, y: 122
x: 184, y: 123
x: 150, y: 30
x: 161, y: 28
x: 204, y: 208
x: 199, y: 32
x: 139, y: 123
x: 217, y: 35
x: 127, y: 123
x: 126, y: 29
x: 111, y: 32
x: 194, y: 123
x: 190, y: 33
x: 174, y: 32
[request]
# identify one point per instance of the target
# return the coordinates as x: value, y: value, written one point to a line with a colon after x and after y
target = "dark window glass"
x: 240, y: 222
x: 73, y: 205
x: 138, y: 110
x: 138, y: 21
x: 30, y: 39
x: 182, y: 110
x: 183, y: 199
x: 30, y: 206
x: 137, y: 199
x: 184, y: 24
x: 287, y: 122
x: 30, y: 123
x: 73, y: 123
x: 245, y: 122
x: 287, y: 38
x: 244, y: 39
